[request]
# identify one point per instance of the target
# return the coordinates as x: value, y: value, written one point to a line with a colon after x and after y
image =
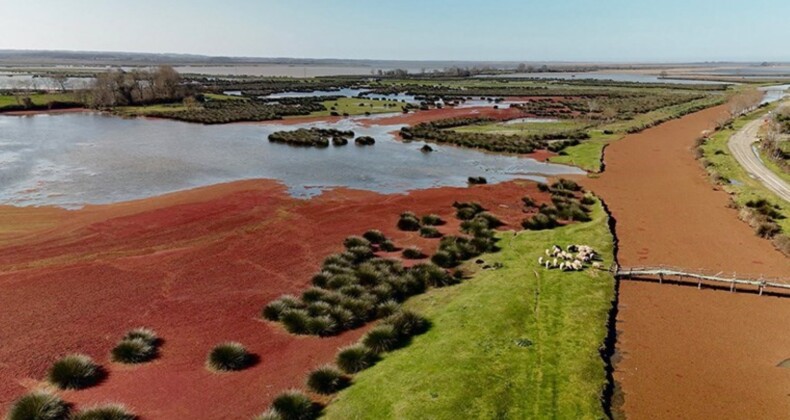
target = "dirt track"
x: 688, y: 353
x: 197, y: 266
x: 740, y: 144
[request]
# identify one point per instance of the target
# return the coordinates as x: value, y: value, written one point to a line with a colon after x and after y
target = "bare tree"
x: 60, y: 79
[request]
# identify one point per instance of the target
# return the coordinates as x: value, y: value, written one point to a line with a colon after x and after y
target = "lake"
x: 70, y: 160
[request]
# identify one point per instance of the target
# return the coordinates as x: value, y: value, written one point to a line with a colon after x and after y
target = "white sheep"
x: 577, y: 265
x: 548, y: 254
x: 548, y: 264
x: 597, y: 265
x: 540, y: 260
x: 562, y: 266
x: 554, y: 263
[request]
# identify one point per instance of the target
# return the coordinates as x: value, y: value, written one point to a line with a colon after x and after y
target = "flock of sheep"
x: 573, y: 258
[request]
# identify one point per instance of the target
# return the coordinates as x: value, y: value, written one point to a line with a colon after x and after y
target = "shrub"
x: 75, y: 371
x: 356, y: 241
x: 313, y: 294
x: 540, y: 221
x: 274, y: 309
x: 230, y: 356
x: 355, y: 358
x: 430, y: 232
x: 444, y: 259
x: 387, y: 246
x: 588, y: 199
x: 294, y: 405
x: 528, y: 201
x: 105, y: 412
x: 413, y: 253
x: 490, y: 220
x: 296, y: 321
x: 361, y: 253
x: 344, y: 319
x: 467, y: 211
x: 543, y: 187
x: 381, y: 338
x: 566, y: 184
x: 319, y: 308
x: 374, y: 236
x: 326, y: 380
x: 432, y: 220
x: 39, y: 405
x: 135, y: 350
x: 365, y: 141
x: 387, y: 308
x: 477, y: 180
x: 146, y: 334
x: 432, y: 275
x: 341, y: 280
x: 408, y: 221
x: 407, y: 323
x: 322, y: 325
x: 319, y: 280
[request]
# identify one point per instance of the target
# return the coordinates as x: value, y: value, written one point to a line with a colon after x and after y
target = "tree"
x: 60, y: 80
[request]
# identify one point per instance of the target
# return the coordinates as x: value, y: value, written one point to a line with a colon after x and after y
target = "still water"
x: 74, y: 159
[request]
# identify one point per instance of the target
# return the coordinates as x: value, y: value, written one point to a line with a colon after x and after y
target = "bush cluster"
x: 477, y: 180
x: 137, y: 346
x: 408, y: 221
x: 354, y: 287
x: 315, y: 137
x: 365, y: 141
x: 39, y: 405
x: 568, y: 204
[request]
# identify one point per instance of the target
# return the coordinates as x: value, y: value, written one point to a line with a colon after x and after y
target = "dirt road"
x: 740, y: 144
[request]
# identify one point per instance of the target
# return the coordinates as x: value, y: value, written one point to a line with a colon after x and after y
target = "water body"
x: 774, y: 93
x: 74, y: 159
x: 21, y: 81
x: 615, y: 77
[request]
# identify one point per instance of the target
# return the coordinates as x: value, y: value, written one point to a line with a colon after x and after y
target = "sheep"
x: 597, y: 265
x: 562, y: 266
x: 572, y: 248
x: 548, y: 264
x: 577, y: 265
x: 548, y: 254
x: 540, y: 260
x: 554, y: 263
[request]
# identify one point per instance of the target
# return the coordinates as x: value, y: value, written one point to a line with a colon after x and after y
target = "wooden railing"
x: 682, y: 275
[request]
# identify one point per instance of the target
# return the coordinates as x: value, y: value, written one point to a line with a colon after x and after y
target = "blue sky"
x: 519, y: 30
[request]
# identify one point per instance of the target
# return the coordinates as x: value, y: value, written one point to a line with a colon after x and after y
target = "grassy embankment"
x: 734, y: 179
x: 517, y: 342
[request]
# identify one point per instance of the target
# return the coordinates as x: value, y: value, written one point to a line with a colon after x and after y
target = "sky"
x: 506, y: 30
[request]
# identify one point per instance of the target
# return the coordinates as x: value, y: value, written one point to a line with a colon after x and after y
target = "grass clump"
x: 75, y: 371
x: 39, y: 405
x: 467, y: 211
x: 294, y: 405
x: 430, y: 232
x: 355, y: 358
x: 230, y: 356
x: 327, y: 380
x: 413, y: 253
x: 381, y: 338
x: 273, y: 310
x: 133, y: 351
x: 105, y: 412
x: 432, y: 220
x: 409, y: 222
x: 374, y: 236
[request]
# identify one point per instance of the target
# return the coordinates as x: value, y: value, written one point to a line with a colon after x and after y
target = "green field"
x: 527, y: 128
x: 518, y: 342
x: 148, y: 109
x: 40, y: 99
x: 588, y: 154
x: 742, y: 187
x: 357, y: 106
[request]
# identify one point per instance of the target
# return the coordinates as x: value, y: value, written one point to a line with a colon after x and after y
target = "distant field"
x: 357, y: 106
x: 518, y: 342
x: 40, y: 99
x: 527, y: 128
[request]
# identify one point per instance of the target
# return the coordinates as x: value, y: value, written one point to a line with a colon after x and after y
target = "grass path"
x: 517, y: 342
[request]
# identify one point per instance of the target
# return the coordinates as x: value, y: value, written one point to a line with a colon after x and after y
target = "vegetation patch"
x: 39, y: 405
x: 139, y: 345
x: 540, y: 329
x: 75, y: 371
x: 230, y: 356
x: 315, y: 137
x: 767, y: 213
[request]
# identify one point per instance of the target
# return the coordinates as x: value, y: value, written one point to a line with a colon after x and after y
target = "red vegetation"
x: 196, y: 266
